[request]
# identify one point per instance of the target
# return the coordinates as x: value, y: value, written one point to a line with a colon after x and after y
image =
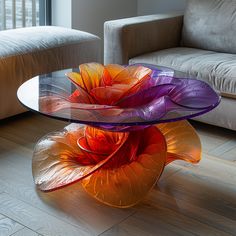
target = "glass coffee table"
x: 127, y: 124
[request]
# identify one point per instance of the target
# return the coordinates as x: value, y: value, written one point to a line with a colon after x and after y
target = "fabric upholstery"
x: 206, y: 48
x: 223, y: 115
x: 218, y: 69
x: 27, y: 52
x: 126, y: 38
x: 210, y: 25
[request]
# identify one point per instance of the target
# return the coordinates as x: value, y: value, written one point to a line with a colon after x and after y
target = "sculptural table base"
x: 116, y: 168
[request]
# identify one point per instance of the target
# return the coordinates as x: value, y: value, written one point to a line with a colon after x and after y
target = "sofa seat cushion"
x: 217, y: 69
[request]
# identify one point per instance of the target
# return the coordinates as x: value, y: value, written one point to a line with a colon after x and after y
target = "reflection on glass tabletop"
x: 118, y: 96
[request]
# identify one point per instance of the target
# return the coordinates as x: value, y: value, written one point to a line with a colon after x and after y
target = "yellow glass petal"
x: 182, y: 141
x: 92, y: 74
x: 76, y: 78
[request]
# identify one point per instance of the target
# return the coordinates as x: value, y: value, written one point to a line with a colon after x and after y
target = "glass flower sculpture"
x: 136, y: 125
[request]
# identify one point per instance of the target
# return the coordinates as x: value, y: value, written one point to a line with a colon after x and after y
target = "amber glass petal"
x: 131, y: 75
x: 77, y: 79
x: 135, y: 77
x: 138, y: 72
x: 58, y: 160
x: 123, y: 185
x: 109, y: 95
x: 114, y: 69
x: 90, y: 76
x: 182, y: 141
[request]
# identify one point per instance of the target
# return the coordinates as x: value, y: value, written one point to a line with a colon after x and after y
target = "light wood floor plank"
x: 204, y: 190
x: 27, y: 129
x: 188, y: 200
x: 157, y: 220
x: 8, y: 226
x: 196, y: 209
x: 70, y: 204
x: 25, y: 232
x: 213, y: 137
x: 222, y: 149
x: 192, y: 211
x: 35, y: 219
x: 230, y: 155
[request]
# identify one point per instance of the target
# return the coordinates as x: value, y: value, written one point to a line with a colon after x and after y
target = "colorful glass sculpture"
x: 116, y: 97
x: 136, y: 116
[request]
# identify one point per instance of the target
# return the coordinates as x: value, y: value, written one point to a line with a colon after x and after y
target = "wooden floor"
x: 188, y: 200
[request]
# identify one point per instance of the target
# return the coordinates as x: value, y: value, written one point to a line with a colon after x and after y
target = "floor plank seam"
x: 165, y: 178
x: 23, y: 229
x: 118, y: 223
x: 189, y: 202
x: 218, y: 159
x: 182, y: 228
x: 48, y: 213
x: 24, y: 226
x: 211, y: 213
x: 223, y: 148
x: 198, y: 220
x: 20, y: 146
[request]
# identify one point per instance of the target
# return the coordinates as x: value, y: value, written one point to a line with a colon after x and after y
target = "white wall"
x: 146, y: 7
x: 61, y: 13
x: 90, y: 15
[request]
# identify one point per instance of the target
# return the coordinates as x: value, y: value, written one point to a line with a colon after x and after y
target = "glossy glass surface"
x: 116, y: 168
x: 118, y: 98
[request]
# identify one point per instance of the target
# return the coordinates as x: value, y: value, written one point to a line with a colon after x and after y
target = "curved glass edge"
x: 31, y: 101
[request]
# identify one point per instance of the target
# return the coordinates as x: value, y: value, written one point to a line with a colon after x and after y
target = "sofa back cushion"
x: 210, y: 25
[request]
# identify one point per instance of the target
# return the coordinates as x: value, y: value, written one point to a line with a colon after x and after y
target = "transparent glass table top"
x: 116, y: 146
x: 172, y: 96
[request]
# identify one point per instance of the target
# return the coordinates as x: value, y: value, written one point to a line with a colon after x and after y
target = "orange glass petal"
x: 116, y: 168
x: 110, y: 95
x: 114, y: 69
x: 108, y: 84
x: 125, y: 185
x: 90, y: 76
x: 182, y: 141
x: 58, y: 160
x: 131, y: 75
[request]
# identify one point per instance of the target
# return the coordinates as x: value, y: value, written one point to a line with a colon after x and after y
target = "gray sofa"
x: 201, y: 43
x: 27, y: 52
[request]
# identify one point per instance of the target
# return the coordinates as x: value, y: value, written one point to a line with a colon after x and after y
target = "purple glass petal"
x: 146, y: 96
x: 163, y: 98
x: 193, y: 94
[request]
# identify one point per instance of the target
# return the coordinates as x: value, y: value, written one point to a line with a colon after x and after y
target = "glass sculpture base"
x: 116, y: 168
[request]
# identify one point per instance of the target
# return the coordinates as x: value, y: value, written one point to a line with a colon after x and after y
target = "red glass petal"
x: 133, y: 170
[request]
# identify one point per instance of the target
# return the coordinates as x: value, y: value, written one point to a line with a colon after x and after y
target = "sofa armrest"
x: 126, y: 38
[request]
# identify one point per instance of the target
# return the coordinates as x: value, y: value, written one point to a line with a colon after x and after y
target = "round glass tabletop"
x: 161, y: 95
